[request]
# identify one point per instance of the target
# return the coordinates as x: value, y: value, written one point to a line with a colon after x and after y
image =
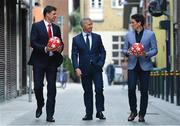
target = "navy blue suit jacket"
x: 39, y: 40
x: 82, y: 56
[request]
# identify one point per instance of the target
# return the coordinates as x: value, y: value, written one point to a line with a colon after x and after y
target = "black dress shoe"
x: 132, y: 116
x: 141, y: 118
x: 100, y: 115
x: 87, y: 117
x: 50, y: 119
x: 38, y: 112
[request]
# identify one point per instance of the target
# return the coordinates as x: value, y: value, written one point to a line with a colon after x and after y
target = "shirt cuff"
x: 45, y: 49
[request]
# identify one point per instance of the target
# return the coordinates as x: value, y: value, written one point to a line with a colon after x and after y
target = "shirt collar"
x: 46, y: 23
x: 139, y: 32
x: 85, y: 33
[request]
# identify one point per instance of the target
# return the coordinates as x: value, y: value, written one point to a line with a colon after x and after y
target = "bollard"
x: 150, y: 82
x: 158, y: 83
x: 167, y: 85
x: 172, y: 74
x: 178, y: 87
x: 154, y: 85
x: 162, y: 77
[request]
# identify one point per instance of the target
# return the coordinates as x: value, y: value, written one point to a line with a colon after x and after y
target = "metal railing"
x: 165, y: 85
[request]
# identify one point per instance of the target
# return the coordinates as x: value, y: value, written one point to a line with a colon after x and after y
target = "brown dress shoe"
x: 132, y: 116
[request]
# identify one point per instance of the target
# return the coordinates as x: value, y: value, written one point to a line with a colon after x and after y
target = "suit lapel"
x: 142, y: 39
x: 93, y: 40
x: 82, y: 40
x: 54, y: 30
x: 134, y: 36
x: 143, y: 36
x: 44, y: 29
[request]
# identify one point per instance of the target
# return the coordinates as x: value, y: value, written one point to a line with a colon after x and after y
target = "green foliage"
x: 74, y: 21
x: 68, y: 66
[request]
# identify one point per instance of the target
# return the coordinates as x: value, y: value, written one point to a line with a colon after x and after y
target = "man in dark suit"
x: 139, y: 66
x: 45, y: 60
x: 88, y: 57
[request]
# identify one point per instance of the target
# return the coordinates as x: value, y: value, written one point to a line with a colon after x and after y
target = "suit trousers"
x: 134, y: 76
x: 39, y: 73
x: 95, y: 76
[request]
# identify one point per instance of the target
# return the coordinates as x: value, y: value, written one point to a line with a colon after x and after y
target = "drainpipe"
x: 18, y: 6
x: 171, y: 4
x: 5, y: 49
x: 30, y: 67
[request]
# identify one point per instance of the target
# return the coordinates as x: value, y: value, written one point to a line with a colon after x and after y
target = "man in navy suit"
x: 88, y: 57
x: 45, y: 61
x: 139, y: 66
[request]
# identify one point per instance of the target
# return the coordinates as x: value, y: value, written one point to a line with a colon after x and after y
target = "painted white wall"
x: 70, y: 6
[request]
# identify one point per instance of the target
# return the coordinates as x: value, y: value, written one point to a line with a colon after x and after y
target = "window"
x: 96, y: 3
x: 115, y: 54
x: 99, y: 3
x: 122, y: 60
x: 115, y: 38
x: 92, y: 4
x: 117, y: 3
x: 116, y: 62
x: 122, y: 46
x: 122, y: 54
x: 115, y: 46
x: 96, y: 10
x: 122, y: 38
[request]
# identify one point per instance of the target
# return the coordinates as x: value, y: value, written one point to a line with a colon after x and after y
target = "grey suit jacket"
x: 150, y: 46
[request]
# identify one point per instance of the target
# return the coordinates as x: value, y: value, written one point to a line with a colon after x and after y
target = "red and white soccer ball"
x: 137, y: 49
x: 54, y: 42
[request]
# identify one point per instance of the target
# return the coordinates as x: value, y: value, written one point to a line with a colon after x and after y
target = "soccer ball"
x: 54, y: 42
x: 137, y: 48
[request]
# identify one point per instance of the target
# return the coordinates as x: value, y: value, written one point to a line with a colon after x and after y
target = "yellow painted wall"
x: 161, y: 42
x: 113, y: 18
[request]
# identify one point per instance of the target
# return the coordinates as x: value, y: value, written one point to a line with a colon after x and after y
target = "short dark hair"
x: 49, y: 9
x: 139, y: 18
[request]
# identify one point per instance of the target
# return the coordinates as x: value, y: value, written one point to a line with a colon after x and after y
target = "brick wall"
x: 62, y: 10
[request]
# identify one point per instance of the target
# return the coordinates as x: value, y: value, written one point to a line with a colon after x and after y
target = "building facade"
x: 13, y: 50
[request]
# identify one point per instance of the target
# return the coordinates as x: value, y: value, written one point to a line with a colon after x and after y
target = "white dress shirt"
x: 46, y: 24
x: 89, y: 36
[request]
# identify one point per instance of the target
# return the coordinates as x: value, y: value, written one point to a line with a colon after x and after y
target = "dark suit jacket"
x: 82, y: 56
x: 39, y: 39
